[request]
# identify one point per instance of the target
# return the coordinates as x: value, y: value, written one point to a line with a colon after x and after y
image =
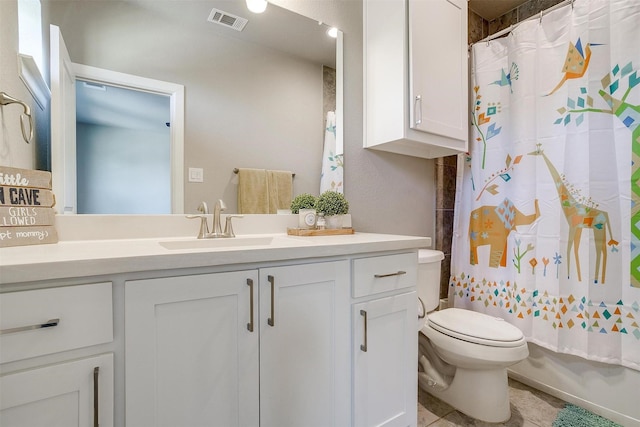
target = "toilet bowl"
x: 464, y: 355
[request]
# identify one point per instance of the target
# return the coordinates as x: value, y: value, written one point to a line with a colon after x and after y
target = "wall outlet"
x: 196, y: 175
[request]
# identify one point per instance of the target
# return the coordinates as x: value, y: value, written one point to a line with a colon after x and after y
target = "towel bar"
x: 236, y: 170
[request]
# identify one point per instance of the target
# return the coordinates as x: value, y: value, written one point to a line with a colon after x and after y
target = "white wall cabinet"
x: 249, y: 348
x: 385, y: 341
x: 416, y: 76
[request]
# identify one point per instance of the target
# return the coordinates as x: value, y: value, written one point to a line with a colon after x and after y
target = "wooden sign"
x: 22, y: 236
x: 26, y: 213
x: 23, y: 196
x: 15, y: 177
x: 26, y: 216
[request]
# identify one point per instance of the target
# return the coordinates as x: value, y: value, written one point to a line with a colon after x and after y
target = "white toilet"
x: 464, y: 355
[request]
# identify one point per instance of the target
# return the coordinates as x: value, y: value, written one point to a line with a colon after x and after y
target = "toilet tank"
x: 429, y: 277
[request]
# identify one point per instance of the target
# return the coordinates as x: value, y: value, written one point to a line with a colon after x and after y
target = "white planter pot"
x: 334, y: 221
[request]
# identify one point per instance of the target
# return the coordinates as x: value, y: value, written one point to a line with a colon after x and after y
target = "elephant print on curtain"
x: 492, y: 225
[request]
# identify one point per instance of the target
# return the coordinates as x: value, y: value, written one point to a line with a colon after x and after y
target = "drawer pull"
x: 48, y: 324
x: 272, y: 320
x: 397, y: 273
x: 250, y: 324
x: 96, y: 400
x: 363, y: 347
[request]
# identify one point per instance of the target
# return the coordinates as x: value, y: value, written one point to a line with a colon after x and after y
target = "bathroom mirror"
x: 255, y: 98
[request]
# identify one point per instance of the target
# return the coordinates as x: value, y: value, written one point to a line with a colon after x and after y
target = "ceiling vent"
x: 218, y: 16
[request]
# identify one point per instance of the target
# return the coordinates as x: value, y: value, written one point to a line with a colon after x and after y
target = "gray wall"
x: 13, y: 150
x: 388, y: 193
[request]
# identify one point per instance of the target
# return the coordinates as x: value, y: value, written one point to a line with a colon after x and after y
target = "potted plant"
x: 304, y: 205
x: 333, y: 205
x: 303, y: 201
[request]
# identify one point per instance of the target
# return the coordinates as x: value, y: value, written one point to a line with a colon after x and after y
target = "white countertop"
x: 81, y: 258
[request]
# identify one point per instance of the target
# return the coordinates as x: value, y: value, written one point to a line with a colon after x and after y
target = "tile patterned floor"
x: 529, y: 408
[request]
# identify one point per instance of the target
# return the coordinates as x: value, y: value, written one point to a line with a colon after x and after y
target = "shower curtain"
x: 547, y: 222
x: 332, y: 165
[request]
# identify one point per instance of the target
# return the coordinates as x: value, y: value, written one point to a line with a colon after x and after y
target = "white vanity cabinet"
x: 304, y: 345
x: 262, y: 347
x: 190, y: 359
x: 385, y: 348
x: 41, y: 383
x: 416, y: 76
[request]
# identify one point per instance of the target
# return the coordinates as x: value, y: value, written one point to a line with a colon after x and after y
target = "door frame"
x: 175, y: 92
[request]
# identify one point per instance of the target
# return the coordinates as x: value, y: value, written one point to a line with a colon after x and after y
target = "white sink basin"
x: 232, y: 242
x: 238, y: 242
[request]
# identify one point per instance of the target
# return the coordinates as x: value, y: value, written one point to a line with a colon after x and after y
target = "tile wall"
x: 445, y: 167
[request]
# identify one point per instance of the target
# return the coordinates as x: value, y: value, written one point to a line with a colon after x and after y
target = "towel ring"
x: 25, y: 118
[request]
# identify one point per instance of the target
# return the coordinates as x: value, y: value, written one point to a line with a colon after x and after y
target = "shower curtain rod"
x: 514, y: 26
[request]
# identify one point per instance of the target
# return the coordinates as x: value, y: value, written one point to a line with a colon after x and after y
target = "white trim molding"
x: 32, y: 78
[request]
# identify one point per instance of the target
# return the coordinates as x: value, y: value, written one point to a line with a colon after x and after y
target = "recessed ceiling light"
x: 257, y: 6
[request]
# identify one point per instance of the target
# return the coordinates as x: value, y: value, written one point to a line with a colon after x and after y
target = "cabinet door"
x: 304, y: 345
x: 60, y: 395
x: 385, y: 361
x: 191, y: 356
x: 438, y: 67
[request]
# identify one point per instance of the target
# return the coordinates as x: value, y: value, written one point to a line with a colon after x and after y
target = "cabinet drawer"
x: 385, y: 273
x: 84, y: 313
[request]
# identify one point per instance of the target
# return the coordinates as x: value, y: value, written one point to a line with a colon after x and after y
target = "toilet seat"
x: 474, y: 327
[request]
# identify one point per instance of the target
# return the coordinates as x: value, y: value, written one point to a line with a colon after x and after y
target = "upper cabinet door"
x: 438, y: 67
x: 416, y: 76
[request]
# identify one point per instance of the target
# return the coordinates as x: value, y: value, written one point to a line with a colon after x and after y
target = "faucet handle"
x: 204, y: 225
x: 203, y: 208
x: 228, y: 225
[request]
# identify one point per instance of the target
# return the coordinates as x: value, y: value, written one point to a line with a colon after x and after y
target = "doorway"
x: 123, y: 150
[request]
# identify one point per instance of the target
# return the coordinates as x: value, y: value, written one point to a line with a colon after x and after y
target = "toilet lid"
x: 475, y: 327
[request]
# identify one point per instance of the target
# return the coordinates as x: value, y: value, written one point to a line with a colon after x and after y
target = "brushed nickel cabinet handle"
x: 96, y: 403
x: 397, y: 273
x: 417, y: 110
x: 250, y: 324
x: 272, y: 320
x: 48, y: 324
x: 363, y: 347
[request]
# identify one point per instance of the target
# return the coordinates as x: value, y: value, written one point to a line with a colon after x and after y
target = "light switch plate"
x: 196, y: 175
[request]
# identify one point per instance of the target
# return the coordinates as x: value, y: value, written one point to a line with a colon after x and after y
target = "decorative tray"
x: 325, y: 232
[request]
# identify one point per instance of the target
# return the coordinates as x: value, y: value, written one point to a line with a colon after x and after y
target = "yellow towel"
x: 280, y: 186
x: 253, y: 191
